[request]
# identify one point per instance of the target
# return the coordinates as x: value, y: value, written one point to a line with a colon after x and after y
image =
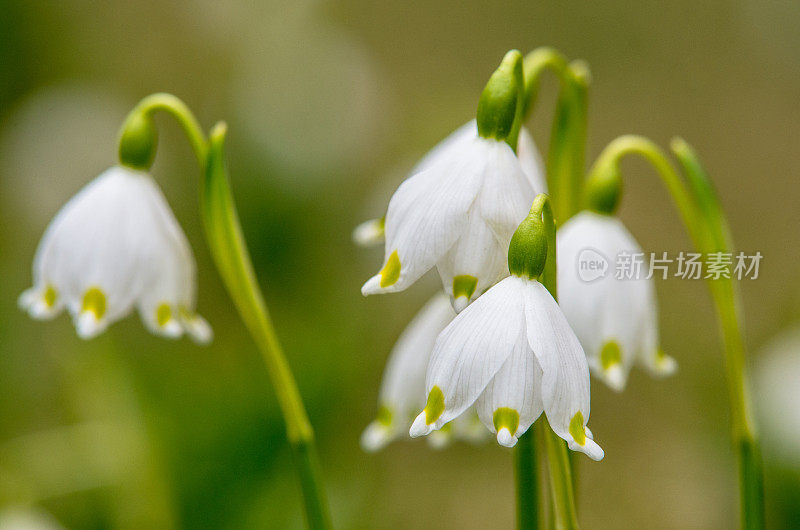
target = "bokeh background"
x: 329, y: 103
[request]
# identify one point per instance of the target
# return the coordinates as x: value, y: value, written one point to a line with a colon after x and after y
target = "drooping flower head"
x: 512, y: 355
x: 402, y: 391
x: 613, y: 312
x: 113, y: 247
x: 460, y: 211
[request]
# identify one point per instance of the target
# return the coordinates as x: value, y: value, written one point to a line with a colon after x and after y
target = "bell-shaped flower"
x: 402, y: 391
x: 512, y: 355
x: 113, y: 247
x: 457, y: 215
x: 460, y: 211
x: 372, y: 232
x: 611, y: 308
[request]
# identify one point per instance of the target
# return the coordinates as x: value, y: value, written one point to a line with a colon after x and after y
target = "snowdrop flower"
x: 459, y: 213
x: 114, y: 246
x: 512, y: 355
x: 371, y: 232
x: 402, y: 391
x: 614, y: 316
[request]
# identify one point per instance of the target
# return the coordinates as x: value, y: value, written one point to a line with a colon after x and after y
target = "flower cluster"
x: 505, y: 348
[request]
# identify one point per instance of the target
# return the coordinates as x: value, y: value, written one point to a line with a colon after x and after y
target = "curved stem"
x: 561, y: 486
x: 534, y: 65
x: 182, y: 114
x: 705, y: 222
x: 565, y: 160
x: 725, y: 293
x: 611, y: 156
x: 229, y: 250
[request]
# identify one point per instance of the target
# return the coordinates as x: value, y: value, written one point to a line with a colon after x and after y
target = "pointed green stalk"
x: 566, y: 156
x: 229, y: 249
x: 564, y: 511
x: 224, y: 236
x: 704, y: 219
x: 725, y: 294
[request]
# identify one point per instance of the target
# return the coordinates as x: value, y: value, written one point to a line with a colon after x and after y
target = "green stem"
x: 565, y: 160
x: 608, y: 163
x: 526, y: 476
x: 564, y: 513
x: 228, y: 247
x: 704, y: 219
x: 728, y: 304
x: 561, y: 484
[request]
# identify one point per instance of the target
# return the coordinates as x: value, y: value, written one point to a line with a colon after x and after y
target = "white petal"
x: 41, y: 303
x: 514, y: 394
x: 474, y: 263
x: 506, y: 196
x: 565, y: 373
x: 469, y: 352
x: 197, y: 328
x: 531, y: 161
x: 369, y: 233
x: 88, y: 325
x: 166, y: 303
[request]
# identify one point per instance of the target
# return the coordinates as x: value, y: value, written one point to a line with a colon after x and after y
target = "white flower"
x: 402, y: 391
x: 616, y: 319
x: 513, y: 355
x: 457, y: 214
x: 114, y: 246
x: 371, y: 232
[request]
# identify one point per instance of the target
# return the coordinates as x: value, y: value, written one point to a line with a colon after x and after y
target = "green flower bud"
x: 604, y: 187
x: 527, y: 252
x: 137, y: 141
x: 501, y: 99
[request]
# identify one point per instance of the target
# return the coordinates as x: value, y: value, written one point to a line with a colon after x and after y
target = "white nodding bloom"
x: 371, y: 232
x: 511, y: 354
x: 402, y: 391
x: 615, y: 318
x: 113, y: 247
x: 458, y: 214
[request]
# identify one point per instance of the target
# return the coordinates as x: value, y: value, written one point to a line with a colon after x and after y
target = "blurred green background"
x: 329, y: 103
